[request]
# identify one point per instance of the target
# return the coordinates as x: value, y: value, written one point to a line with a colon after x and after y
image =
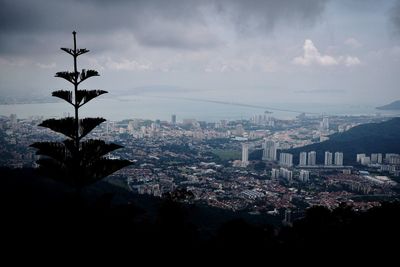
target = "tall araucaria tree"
x: 77, y: 161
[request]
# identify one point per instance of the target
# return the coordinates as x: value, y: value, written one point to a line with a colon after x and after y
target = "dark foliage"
x: 84, y: 96
x: 75, y: 161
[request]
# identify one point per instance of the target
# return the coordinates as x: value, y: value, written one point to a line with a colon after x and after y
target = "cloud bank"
x: 174, y: 24
x: 312, y: 56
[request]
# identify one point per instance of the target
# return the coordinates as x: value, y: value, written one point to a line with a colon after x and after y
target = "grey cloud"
x: 395, y: 17
x: 261, y: 16
x: 361, y: 5
x: 172, y: 24
x: 147, y: 21
x: 177, y: 36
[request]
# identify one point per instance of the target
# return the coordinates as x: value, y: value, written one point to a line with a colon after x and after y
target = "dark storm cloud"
x: 175, y: 24
x: 395, y: 17
x: 258, y: 16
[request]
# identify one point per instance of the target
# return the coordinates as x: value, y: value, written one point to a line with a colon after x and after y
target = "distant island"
x: 392, y: 106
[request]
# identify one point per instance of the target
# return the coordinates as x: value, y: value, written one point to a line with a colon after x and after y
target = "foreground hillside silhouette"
x: 113, y: 221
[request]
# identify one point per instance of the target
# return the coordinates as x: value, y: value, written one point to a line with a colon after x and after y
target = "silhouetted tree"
x: 75, y: 161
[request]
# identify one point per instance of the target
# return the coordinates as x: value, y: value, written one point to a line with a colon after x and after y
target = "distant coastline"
x: 162, y: 108
x: 28, y: 101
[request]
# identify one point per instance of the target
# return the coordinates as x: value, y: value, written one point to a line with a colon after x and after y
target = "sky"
x: 253, y: 51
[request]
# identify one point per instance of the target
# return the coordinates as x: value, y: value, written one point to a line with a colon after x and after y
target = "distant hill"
x: 368, y: 138
x: 392, y: 106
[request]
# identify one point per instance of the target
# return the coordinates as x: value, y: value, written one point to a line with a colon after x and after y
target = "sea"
x: 119, y: 108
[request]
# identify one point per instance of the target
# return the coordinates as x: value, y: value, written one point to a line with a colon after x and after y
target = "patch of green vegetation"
x: 227, y: 154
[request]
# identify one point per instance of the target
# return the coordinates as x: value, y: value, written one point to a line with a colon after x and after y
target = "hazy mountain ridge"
x: 395, y: 105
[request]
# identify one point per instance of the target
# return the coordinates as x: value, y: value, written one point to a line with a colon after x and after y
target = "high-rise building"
x: 393, y: 159
x: 328, y: 158
x: 154, y: 126
x: 325, y: 124
x: 380, y: 161
x: 131, y: 127
x: 223, y: 123
x: 285, y: 173
x: 13, y: 119
x: 303, y: 159
x: 365, y: 160
x: 286, y: 159
x: 339, y: 159
x: 274, y: 174
x: 304, y: 176
x: 359, y: 157
x: 389, y: 155
x: 374, y: 158
x: 269, y: 151
x: 173, y: 119
x: 245, y: 155
x: 312, y: 158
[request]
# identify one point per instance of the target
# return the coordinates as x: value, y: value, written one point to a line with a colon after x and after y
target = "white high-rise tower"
x: 324, y: 124
x: 328, y: 158
x: 286, y: 159
x: 245, y: 154
x: 303, y: 159
x: 312, y: 158
x: 269, y: 151
x: 339, y: 158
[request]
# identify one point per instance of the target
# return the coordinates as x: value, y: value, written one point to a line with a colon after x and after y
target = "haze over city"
x: 255, y: 52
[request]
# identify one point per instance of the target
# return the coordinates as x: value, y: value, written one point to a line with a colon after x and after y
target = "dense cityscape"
x: 239, y: 165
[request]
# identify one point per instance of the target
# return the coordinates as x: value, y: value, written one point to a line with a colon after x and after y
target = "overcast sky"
x: 253, y: 51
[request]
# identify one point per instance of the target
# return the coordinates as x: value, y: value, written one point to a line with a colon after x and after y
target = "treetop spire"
x: 76, y: 160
